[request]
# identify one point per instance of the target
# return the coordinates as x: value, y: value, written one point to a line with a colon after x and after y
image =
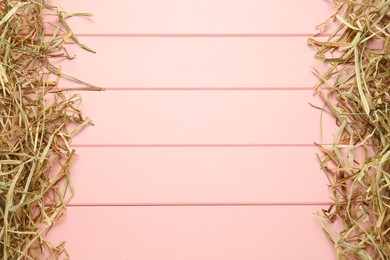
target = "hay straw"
x: 355, y: 91
x: 35, y: 119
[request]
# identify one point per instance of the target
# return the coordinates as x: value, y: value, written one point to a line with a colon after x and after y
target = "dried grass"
x: 355, y: 90
x: 35, y: 135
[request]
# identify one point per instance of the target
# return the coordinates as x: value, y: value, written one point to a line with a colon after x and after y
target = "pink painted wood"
x: 203, y: 118
x: 193, y: 233
x: 199, y: 16
x: 198, y: 175
x: 206, y: 105
x: 265, y: 62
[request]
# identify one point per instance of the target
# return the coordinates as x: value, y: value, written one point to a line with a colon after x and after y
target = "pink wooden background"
x: 205, y: 149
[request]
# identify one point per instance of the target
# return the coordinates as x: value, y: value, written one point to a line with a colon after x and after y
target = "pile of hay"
x: 356, y: 92
x: 35, y: 132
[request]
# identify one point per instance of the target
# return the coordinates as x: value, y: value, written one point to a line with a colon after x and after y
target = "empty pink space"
x: 199, y: 117
x: 203, y: 144
x: 194, y: 62
x: 199, y: 17
x: 198, y: 175
x: 194, y: 232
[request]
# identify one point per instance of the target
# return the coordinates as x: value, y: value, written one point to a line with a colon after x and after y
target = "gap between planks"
x: 279, y: 204
x: 213, y: 89
x: 206, y: 35
x: 194, y: 145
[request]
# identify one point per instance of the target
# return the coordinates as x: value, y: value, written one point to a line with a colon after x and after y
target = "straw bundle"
x: 355, y: 90
x: 35, y: 130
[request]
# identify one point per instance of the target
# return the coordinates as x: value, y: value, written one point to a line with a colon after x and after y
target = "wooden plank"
x: 193, y: 233
x: 203, y: 118
x: 271, y: 62
x: 198, y: 175
x: 199, y: 16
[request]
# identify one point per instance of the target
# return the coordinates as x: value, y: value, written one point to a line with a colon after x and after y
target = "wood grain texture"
x: 199, y: 16
x: 193, y: 233
x: 198, y: 175
x: 120, y: 62
x: 203, y: 117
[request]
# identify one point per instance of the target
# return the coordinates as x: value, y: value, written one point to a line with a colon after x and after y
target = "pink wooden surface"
x: 195, y: 62
x: 199, y: 16
x: 207, y: 106
x: 193, y: 233
x: 198, y: 175
x: 203, y: 118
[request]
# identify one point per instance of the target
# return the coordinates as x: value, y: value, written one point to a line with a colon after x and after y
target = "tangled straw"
x: 356, y: 92
x: 35, y: 135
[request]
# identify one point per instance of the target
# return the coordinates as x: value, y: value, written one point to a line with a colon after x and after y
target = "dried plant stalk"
x: 355, y: 90
x: 35, y: 118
